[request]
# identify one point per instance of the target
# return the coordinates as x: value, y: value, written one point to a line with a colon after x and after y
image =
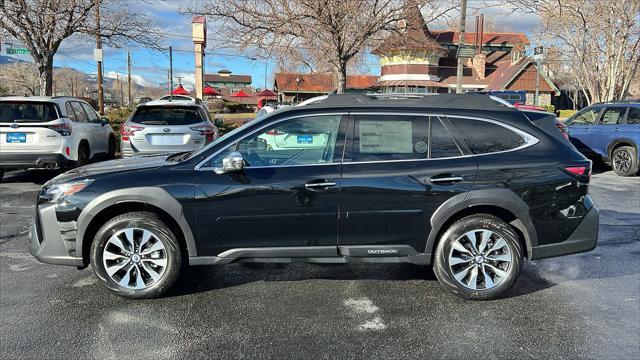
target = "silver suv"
x: 51, y: 133
x: 163, y: 126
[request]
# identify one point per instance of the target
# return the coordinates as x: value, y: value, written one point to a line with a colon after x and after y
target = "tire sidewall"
x: 161, y: 231
x: 83, y: 156
x: 111, y: 150
x: 633, y: 170
x: 458, y: 229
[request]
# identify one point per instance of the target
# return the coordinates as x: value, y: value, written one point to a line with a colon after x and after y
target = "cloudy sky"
x: 150, y: 67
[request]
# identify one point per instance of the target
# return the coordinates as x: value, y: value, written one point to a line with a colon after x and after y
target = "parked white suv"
x: 51, y: 133
x: 164, y: 126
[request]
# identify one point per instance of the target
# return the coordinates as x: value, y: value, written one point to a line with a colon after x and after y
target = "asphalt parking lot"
x: 580, y: 306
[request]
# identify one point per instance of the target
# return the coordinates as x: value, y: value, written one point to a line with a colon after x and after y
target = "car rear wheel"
x: 83, y: 155
x: 478, y: 258
x: 625, y: 161
x: 111, y: 154
x: 135, y: 255
x: 1, y: 175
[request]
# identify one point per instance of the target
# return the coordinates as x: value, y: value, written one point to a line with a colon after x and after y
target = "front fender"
x: 155, y: 196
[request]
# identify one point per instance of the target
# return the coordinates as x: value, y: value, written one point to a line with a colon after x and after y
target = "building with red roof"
x: 417, y: 59
x: 298, y: 87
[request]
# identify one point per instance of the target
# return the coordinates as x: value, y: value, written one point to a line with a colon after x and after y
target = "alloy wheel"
x: 134, y: 258
x: 622, y: 161
x: 480, y: 259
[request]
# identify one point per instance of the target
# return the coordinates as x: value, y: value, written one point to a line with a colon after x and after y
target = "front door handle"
x: 319, y: 185
x: 448, y: 179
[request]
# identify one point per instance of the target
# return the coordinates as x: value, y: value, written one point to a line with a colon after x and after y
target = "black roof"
x: 442, y: 101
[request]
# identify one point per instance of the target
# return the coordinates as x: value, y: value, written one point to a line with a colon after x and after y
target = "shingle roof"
x: 507, y: 38
x: 413, y: 36
x: 320, y: 83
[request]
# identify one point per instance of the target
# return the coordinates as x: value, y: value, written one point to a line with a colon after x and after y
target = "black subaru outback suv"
x: 462, y: 182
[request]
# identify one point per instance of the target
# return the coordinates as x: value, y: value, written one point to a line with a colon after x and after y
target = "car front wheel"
x: 625, y: 161
x: 478, y: 258
x: 135, y: 255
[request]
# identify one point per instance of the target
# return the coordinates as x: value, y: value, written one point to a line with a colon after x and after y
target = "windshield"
x: 167, y: 115
x: 27, y: 111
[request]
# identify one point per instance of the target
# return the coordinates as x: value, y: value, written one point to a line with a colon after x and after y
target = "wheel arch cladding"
x: 621, y: 142
x: 503, y: 203
x: 117, y: 202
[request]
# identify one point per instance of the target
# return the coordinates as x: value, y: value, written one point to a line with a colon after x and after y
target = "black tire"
x: 111, y: 153
x: 624, y: 161
x: 1, y: 174
x: 83, y: 155
x: 479, y: 222
x: 172, y: 252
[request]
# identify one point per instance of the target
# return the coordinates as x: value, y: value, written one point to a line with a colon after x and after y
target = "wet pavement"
x: 579, y: 306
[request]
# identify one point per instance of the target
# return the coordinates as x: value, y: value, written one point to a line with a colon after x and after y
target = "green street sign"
x: 17, y: 51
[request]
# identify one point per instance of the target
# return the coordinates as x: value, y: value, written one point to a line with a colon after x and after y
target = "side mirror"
x: 233, y: 162
x: 104, y: 121
x: 218, y: 122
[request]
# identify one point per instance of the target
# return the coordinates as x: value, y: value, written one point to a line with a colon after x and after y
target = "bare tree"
x: 70, y: 82
x: 42, y: 26
x: 19, y: 78
x: 598, y: 40
x: 315, y: 32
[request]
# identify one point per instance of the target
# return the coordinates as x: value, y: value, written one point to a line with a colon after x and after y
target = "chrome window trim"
x: 530, y: 140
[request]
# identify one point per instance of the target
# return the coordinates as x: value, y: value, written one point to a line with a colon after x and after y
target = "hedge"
x: 549, y: 108
x: 117, y: 117
x: 566, y: 113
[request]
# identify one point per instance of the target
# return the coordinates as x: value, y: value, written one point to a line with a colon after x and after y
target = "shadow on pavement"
x: 30, y: 176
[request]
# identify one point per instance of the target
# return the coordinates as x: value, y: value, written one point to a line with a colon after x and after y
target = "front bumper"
x: 31, y: 160
x: 54, y: 241
x: 583, y: 239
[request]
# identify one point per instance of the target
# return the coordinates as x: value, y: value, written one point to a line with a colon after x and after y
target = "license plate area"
x: 169, y: 139
x: 16, y: 138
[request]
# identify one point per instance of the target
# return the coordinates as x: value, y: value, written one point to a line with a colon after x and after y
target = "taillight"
x: 130, y: 130
x: 206, y: 130
x: 63, y: 129
x: 581, y: 172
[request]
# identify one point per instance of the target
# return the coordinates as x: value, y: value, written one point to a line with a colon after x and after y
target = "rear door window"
x: 613, y: 116
x: 91, y: 114
x: 27, y: 111
x: 633, y: 117
x: 442, y: 144
x: 483, y: 137
x: 81, y: 116
x: 389, y: 137
x: 167, y: 115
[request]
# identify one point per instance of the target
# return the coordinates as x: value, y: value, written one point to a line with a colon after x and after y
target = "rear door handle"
x: 319, y: 185
x: 448, y: 179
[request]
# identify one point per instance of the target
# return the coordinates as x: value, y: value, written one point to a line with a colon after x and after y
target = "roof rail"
x: 428, y: 100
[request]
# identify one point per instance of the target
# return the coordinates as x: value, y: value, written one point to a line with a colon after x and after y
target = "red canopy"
x: 180, y: 91
x: 266, y: 93
x: 208, y: 90
x: 241, y: 93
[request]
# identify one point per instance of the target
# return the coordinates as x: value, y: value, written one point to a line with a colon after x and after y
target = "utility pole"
x: 129, y: 78
x: 463, y: 19
x: 266, y: 64
x: 99, y: 47
x: 170, y: 73
x: 537, y: 100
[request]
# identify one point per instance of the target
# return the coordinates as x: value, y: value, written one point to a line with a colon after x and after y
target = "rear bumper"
x: 128, y: 149
x: 53, y: 242
x: 583, y: 239
x: 30, y: 160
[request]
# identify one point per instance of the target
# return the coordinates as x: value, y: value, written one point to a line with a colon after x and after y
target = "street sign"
x: 17, y: 51
x: 538, y: 53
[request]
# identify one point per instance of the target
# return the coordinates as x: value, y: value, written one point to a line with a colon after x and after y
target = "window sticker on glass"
x: 305, y: 139
x: 390, y: 137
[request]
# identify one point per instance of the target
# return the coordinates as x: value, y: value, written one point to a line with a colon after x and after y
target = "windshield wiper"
x: 26, y: 120
x: 153, y: 122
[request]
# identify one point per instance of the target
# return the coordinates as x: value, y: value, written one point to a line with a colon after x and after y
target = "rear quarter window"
x: 483, y: 137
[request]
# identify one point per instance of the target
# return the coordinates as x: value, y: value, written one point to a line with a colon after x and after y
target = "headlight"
x: 60, y: 191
